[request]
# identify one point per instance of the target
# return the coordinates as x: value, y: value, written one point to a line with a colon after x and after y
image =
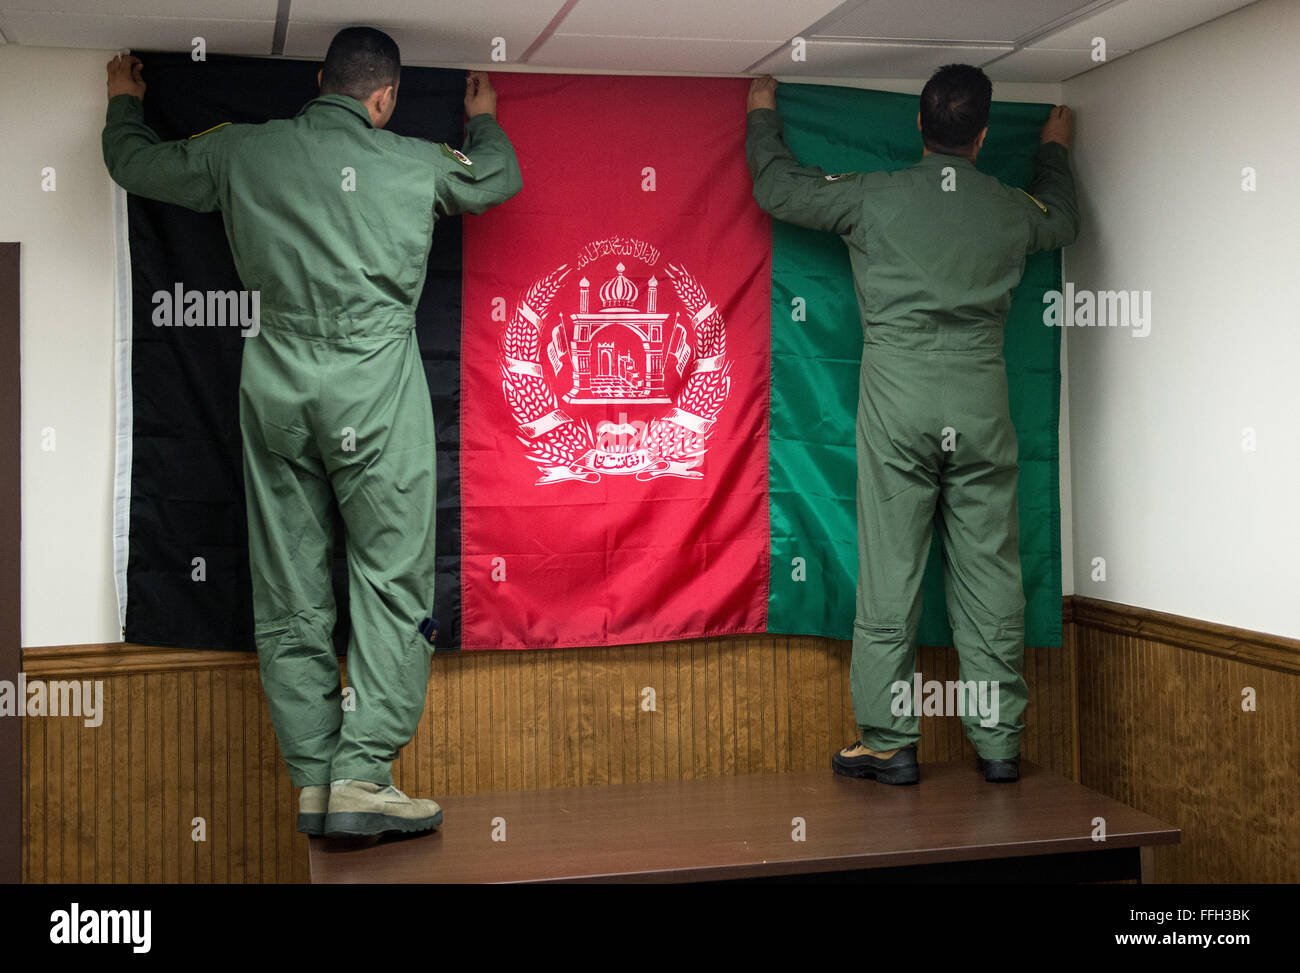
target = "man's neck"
x: 968, y: 158
x: 368, y: 106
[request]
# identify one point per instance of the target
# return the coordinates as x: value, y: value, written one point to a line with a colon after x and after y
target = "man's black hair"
x: 360, y: 61
x: 955, y: 108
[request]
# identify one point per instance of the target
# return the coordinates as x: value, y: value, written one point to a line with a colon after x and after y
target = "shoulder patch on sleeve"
x: 456, y: 154
x: 836, y: 176
x: 207, y: 130
x: 1036, y: 202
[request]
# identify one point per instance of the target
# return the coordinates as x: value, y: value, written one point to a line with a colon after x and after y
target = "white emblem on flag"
x: 615, y: 354
x: 558, y: 347
x: 680, y: 348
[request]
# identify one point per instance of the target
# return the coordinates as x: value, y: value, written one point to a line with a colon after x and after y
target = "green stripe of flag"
x: 815, y: 364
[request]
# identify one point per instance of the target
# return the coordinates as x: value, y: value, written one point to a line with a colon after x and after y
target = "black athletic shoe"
x: 901, y: 768
x: 1000, y: 771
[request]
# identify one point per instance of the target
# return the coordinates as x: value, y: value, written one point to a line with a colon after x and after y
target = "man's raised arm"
x: 487, y: 172
x: 1056, y: 221
x: 802, y: 195
x: 174, y: 172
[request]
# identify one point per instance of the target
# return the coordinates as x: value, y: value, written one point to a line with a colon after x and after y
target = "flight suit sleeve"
x: 1054, y: 215
x: 180, y: 172
x: 484, y: 174
x: 802, y: 195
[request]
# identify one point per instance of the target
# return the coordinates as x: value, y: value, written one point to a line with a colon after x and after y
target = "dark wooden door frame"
x: 11, y: 740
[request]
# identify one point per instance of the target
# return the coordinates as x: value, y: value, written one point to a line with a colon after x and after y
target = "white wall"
x: 1187, y: 521
x: 51, y: 114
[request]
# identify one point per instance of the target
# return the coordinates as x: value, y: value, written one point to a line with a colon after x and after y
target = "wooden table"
x: 953, y: 826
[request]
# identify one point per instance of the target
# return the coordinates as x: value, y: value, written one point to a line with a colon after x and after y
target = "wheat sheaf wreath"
x: 562, y: 448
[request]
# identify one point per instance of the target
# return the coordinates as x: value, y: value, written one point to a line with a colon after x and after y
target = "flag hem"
x: 122, y: 336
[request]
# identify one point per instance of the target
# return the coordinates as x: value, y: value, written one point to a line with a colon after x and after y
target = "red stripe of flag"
x: 614, y: 442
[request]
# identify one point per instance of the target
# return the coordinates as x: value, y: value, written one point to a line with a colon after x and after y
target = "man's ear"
x: 918, y: 121
x: 381, y: 103
x: 979, y: 140
x: 318, y: 77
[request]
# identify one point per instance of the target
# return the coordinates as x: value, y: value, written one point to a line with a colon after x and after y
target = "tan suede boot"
x: 890, y: 767
x: 360, y: 807
x: 312, y: 803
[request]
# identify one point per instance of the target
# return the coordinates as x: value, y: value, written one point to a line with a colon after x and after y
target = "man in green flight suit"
x: 330, y: 219
x: 936, y: 250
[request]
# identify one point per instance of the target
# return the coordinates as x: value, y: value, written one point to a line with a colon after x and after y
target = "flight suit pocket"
x: 1011, y: 628
x: 283, y: 442
x: 881, y: 627
x: 277, y: 636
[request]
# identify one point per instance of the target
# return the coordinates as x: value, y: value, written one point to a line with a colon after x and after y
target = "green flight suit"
x: 933, y: 272
x: 330, y: 220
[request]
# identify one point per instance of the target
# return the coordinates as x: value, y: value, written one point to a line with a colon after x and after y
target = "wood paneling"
x: 1145, y: 625
x: 1161, y: 727
x: 117, y: 802
x: 1156, y: 701
x: 188, y: 734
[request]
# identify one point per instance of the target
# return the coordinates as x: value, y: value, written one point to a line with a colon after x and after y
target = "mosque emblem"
x: 587, y: 389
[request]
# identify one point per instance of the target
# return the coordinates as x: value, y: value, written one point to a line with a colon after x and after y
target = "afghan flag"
x: 640, y: 438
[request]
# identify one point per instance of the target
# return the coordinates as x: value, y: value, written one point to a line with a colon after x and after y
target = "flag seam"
x: 122, y: 334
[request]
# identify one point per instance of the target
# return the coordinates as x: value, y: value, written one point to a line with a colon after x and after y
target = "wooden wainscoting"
x: 1161, y: 728
x: 187, y: 734
x: 1142, y: 706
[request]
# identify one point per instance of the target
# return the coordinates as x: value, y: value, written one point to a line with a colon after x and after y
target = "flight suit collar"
x: 940, y: 159
x: 342, y: 101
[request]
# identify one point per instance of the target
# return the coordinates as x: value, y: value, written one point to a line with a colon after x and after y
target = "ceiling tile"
x: 212, y: 9
x: 418, y: 45
x: 676, y: 55
x: 988, y: 20
x: 484, y: 14
x: 775, y: 21
x: 678, y: 36
x: 425, y: 34
x: 835, y: 59
x: 33, y: 28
